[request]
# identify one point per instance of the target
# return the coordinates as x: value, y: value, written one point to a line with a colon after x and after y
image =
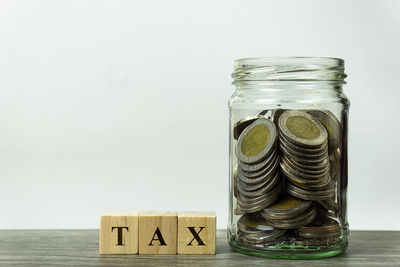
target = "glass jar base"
x: 297, y: 252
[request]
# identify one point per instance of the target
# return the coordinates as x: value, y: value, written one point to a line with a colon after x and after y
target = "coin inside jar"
x: 285, y: 208
x: 256, y: 141
x: 302, y: 129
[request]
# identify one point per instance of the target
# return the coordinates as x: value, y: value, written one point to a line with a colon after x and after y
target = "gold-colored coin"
x: 256, y: 141
x: 302, y: 129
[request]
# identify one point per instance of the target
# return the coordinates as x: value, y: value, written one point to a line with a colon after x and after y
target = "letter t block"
x: 196, y: 232
x: 119, y: 232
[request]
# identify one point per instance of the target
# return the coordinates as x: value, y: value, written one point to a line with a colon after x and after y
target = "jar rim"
x: 267, y: 61
x: 323, y: 69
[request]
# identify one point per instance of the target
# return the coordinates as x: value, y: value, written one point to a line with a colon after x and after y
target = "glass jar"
x: 288, y: 158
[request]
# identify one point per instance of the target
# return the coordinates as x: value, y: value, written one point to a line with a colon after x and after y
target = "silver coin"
x: 235, y: 180
x: 264, y: 237
x: 290, y: 165
x: 332, y: 126
x: 334, y: 162
x: 271, y: 172
x: 265, y: 201
x: 299, y: 154
x: 300, y: 174
x: 254, y: 200
x: 252, y: 223
x: 239, y: 126
x: 315, y: 150
x: 261, y: 172
x: 315, y: 242
x: 309, y: 195
x: 250, y: 189
x: 276, y: 113
x: 302, y: 129
x: 329, y: 204
x: 259, y: 166
x: 286, y: 208
x: 256, y: 141
x: 297, y: 222
x: 303, y: 160
x: 319, y: 166
x: 259, y: 191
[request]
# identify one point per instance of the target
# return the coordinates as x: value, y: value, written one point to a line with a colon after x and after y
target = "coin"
x: 318, y: 166
x: 251, y: 223
x: 255, y: 180
x: 276, y: 113
x: 256, y: 141
x: 254, y: 189
x: 302, y: 129
x: 308, y: 194
x: 332, y: 126
x: 296, y: 222
x: 259, y: 166
x: 287, y: 207
x: 267, y: 169
x: 323, y: 228
x: 242, y: 124
x: 334, y: 162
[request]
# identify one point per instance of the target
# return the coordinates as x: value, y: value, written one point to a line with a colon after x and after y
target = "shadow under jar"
x: 288, y: 158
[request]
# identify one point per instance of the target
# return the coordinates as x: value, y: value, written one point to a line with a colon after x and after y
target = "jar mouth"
x: 289, y: 69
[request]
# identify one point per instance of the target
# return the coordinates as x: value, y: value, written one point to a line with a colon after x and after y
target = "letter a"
x: 159, y: 238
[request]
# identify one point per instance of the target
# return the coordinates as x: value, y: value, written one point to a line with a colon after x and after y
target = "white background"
x: 108, y: 105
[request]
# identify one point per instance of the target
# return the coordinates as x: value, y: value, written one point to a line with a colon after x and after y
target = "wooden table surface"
x: 80, y: 248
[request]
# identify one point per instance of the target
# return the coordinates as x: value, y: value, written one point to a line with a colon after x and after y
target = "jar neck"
x: 291, y: 73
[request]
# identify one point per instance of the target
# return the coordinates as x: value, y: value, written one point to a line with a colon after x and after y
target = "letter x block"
x: 196, y: 232
x: 158, y: 232
x: 119, y: 232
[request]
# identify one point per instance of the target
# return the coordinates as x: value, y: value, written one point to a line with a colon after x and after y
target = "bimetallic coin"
x: 332, y: 126
x: 303, y: 160
x: 319, y: 166
x: 259, y: 166
x: 261, y: 172
x: 315, y: 150
x: 296, y: 222
x: 256, y: 141
x: 257, y: 189
x: 316, y: 242
x: 322, y: 154
x: 271, y: 172
x: 235, y: 181
x: 276, y: 113
x: 242, y: 124
x: 302, y: 129
x: 334, y: 162
x: 302, y: 175
x: 252, y: 223
x: 264, y: 237
x: 286, y: 208
x: 308, y: 194
x: 321, y: 228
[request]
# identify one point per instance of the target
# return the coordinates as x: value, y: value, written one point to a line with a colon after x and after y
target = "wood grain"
x: 203, y: 225
x: 158, y: 232
x: 80, y: 248
x: 119, y: 232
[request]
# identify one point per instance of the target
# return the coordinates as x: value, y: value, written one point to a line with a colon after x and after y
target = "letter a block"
x: 158, y: 232
x: 196, y: 232
x: 119, y: 232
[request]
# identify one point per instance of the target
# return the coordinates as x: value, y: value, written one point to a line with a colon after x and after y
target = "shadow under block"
x: 119, y: 233
x: 158, y: 232
x: 196, y: 232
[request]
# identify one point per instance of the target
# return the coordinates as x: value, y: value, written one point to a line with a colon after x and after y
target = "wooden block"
x: 158, y: 232
x: 196, y: 232
x: 119, y: 232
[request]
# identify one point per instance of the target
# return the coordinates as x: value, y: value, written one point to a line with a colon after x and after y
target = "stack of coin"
x: 289, y: 213
x: 303, y: 142
x: 321, y: 232
x: 253, y: 229
x: 334, y: 129
x: 258, y: 177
